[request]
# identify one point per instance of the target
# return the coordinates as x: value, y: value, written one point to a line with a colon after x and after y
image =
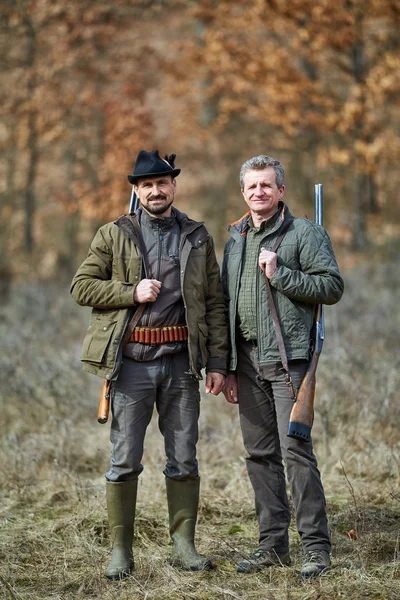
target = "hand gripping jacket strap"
x: 275, y: 318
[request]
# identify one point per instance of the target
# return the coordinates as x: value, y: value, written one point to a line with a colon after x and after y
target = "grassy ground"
x: 54, y: 539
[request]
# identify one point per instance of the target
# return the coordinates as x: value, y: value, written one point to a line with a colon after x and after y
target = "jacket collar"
x: 272, y: 224
x: 187, y: 226
x: 163, y: 223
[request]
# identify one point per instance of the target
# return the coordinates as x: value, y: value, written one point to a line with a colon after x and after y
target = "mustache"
x: 157, y: 197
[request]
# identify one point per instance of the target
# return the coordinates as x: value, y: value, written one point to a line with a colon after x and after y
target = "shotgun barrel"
x: 302, y: 415
x: 133, y: 203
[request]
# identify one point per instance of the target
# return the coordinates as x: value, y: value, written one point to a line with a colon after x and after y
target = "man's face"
x: 261, y: 193
x: 156, y: 194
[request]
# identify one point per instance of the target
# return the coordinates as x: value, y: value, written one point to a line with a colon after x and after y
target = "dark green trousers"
x: 265, y: 406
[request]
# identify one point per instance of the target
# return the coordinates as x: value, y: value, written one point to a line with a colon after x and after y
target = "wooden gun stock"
x: 302, y: 415
x: 104, y: 405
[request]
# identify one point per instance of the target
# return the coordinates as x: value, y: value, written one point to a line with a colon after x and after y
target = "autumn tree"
x: 74, y: 95
x: 319, y: 79
x: 85, y: 85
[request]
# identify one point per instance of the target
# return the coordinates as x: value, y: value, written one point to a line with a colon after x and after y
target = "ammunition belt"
x: 159, y: 335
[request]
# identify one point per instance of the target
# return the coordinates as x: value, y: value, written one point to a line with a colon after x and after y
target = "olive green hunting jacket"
x: 307, y: 274
x: 107, y: 279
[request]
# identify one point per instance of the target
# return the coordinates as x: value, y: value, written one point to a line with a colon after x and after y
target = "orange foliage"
x: 330, y: 67
x: 87, y: 84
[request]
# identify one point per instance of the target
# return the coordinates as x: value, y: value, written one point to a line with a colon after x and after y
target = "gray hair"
x: 258, y: 163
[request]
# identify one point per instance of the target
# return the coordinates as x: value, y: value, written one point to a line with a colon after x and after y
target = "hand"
x: 231, y: 390
x: 267, y: 262
x: 147, y: 291
x: 214, y: 383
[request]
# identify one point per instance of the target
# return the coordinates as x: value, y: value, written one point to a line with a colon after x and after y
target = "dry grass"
x: 54, y: 540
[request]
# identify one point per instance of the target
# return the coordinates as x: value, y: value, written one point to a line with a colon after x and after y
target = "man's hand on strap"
x: 267, y: 262
x: 214, y: 383
x: 147, y: 291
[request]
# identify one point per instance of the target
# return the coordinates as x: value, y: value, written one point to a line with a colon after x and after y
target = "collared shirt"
x: 247, y: 298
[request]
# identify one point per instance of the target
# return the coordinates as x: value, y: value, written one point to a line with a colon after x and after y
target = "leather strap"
x: 275, y: 318
x: 146, y: 268
x: 132, y: 324
x: 142, y: 248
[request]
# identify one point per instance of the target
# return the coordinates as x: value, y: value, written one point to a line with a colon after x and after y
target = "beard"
x: 156, y: 209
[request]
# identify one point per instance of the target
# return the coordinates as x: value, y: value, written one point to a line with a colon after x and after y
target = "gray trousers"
x: 165, y: 383
x: 265, y: 406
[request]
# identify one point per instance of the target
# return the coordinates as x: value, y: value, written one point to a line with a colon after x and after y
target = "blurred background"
x: 84, y: 86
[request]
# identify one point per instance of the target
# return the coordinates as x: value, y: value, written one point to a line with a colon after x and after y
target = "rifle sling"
x: 146, y: 268
x: 275, y: 318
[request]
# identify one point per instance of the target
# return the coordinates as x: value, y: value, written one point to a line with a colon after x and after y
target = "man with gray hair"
x: 301, y: 273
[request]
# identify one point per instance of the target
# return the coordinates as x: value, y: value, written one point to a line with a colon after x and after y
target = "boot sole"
x: 208, y: 566
x: 120, y: 575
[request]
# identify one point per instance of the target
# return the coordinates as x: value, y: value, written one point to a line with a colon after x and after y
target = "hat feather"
x: 171, y: 159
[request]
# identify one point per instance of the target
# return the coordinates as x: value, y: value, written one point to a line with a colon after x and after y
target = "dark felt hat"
x: 150, y: 164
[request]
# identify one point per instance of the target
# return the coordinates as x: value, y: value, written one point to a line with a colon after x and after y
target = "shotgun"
x: 104, y: 404
x: 302, y: 415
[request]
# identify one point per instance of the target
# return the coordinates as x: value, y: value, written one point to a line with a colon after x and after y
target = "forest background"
x: 84, y: 86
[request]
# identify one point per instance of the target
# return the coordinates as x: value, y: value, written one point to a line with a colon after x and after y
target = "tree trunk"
x: 7, y: 201
x: 373, y: 207
x: 359, y: 225
x: 72, y: 220
x: 30, y: 185
x: 359, y: 65
x: 32, y: 141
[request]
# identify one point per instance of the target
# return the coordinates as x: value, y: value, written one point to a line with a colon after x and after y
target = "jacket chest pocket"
x: 127, y: 269
x: 97, y: 339
x: 199, y: 250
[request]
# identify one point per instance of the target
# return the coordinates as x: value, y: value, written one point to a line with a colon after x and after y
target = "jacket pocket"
x: 97, y: 339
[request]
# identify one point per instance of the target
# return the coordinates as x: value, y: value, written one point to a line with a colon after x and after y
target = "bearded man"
x: 163, y: 263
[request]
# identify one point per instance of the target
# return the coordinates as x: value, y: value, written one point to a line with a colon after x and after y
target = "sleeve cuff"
x: 216, y: 365
x: 126, y: 294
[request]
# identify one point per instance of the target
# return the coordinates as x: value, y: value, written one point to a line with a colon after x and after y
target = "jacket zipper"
x: 192, y: 370
x: 147, y: 319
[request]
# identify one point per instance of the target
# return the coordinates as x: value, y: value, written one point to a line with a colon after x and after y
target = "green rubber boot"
x: 121, y: 504
x: 183, y: 502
